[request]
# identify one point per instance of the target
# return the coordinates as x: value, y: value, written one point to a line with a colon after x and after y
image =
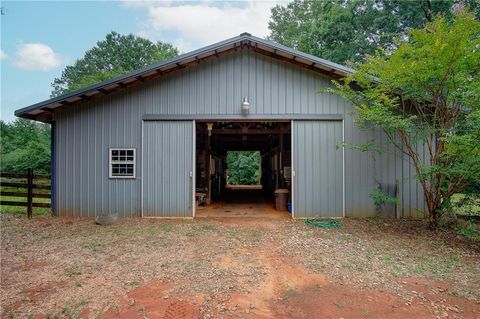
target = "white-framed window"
x: 122, y: 162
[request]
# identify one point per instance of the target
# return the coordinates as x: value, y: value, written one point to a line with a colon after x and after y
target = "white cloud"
x: 3, y: 55
x: 201, y: 23
x: 36, y: 57
x: 145, y: 3
x: 183, y: 45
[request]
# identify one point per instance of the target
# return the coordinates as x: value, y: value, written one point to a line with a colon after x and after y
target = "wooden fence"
x: 27, y: 184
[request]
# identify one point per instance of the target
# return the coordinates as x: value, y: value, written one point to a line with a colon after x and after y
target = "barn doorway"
x: 239, y: 165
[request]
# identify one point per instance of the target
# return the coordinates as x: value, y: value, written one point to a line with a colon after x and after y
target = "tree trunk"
x: 434, y: 222
x: 434, y: 210
x: 432, y: 206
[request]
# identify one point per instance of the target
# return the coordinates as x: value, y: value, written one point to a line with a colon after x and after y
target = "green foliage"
x: 117, y: 54
x: 348, y: 30
x: 466, y: 204
x: 365, y: 147
x: 459, y: 150
x: 427, y: 93
x: 468, y: 229
x: 24, y: 144
x: 380, y: 198
x: 243, y: 168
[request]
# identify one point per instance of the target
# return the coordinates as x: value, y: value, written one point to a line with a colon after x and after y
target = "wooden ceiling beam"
x: 246, y: 132
x: 85, y: 97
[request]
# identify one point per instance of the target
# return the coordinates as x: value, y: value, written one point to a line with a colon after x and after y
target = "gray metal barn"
x: 142, y: 144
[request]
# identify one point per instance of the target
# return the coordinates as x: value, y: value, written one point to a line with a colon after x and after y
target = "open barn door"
x: 317, y: 169
x: 168, y: 169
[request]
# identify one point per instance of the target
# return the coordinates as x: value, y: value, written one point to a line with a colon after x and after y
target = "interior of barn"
x: 219, y: 193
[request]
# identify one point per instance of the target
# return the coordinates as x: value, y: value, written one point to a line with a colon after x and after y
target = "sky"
x: 39, y: 38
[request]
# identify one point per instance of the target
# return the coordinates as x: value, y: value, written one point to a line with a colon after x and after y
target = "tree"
x: 427, y: 92
x: 243, y: 168
x: 25, y: 144
x: 117, y: 54
x: 348, y: 30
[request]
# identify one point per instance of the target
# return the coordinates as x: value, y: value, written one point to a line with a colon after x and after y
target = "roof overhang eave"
x: 42, y: 111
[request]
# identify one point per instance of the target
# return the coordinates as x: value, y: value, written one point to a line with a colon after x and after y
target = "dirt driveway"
x: 234, y: 268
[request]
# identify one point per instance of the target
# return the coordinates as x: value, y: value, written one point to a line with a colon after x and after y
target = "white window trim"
x: 110, y: 162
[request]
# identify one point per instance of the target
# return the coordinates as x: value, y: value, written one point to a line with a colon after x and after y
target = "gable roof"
x: 42, y: 111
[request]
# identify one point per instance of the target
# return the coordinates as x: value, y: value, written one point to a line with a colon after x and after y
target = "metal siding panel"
x: 82, y: 161
x: 258, y: 73
x: 60, y: 124
x: 230, y: 85
x: 275, y: 79
x: 242, y: 71
x: 267, y: 84
x: 282, y: 89
x: 70, y: 147
x: 251, y: 92
x: 168, y: 160
x: 208, y: 81
x: 53, y: 169
x: 393, y: 166
x: 84, y: 188
x: 222, y: 88
x: 317, y: 176
x: 63, y: 190
x: 236, y: 82
x: 98, y: 128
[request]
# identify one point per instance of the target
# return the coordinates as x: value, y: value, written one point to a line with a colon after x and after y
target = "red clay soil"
x: 290, y: 291
x: 313, y: 298
x: 150, y: 301
x: 333, y: 301
x: 438, y: 293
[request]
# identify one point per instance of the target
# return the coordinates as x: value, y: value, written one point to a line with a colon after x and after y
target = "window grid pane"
x: 122, y: 169
x: 122, y: 163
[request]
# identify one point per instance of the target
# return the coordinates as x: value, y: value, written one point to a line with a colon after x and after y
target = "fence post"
x: 29, y: 192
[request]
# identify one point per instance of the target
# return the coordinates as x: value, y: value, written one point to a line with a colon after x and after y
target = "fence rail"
x: 29, y: 185
x: 18, y: 175
x: 23, y: 185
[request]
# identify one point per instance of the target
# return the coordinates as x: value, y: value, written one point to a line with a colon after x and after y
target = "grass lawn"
x: 37, y: 211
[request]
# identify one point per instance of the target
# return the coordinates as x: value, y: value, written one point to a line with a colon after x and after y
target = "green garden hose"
x: 324, y: 223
